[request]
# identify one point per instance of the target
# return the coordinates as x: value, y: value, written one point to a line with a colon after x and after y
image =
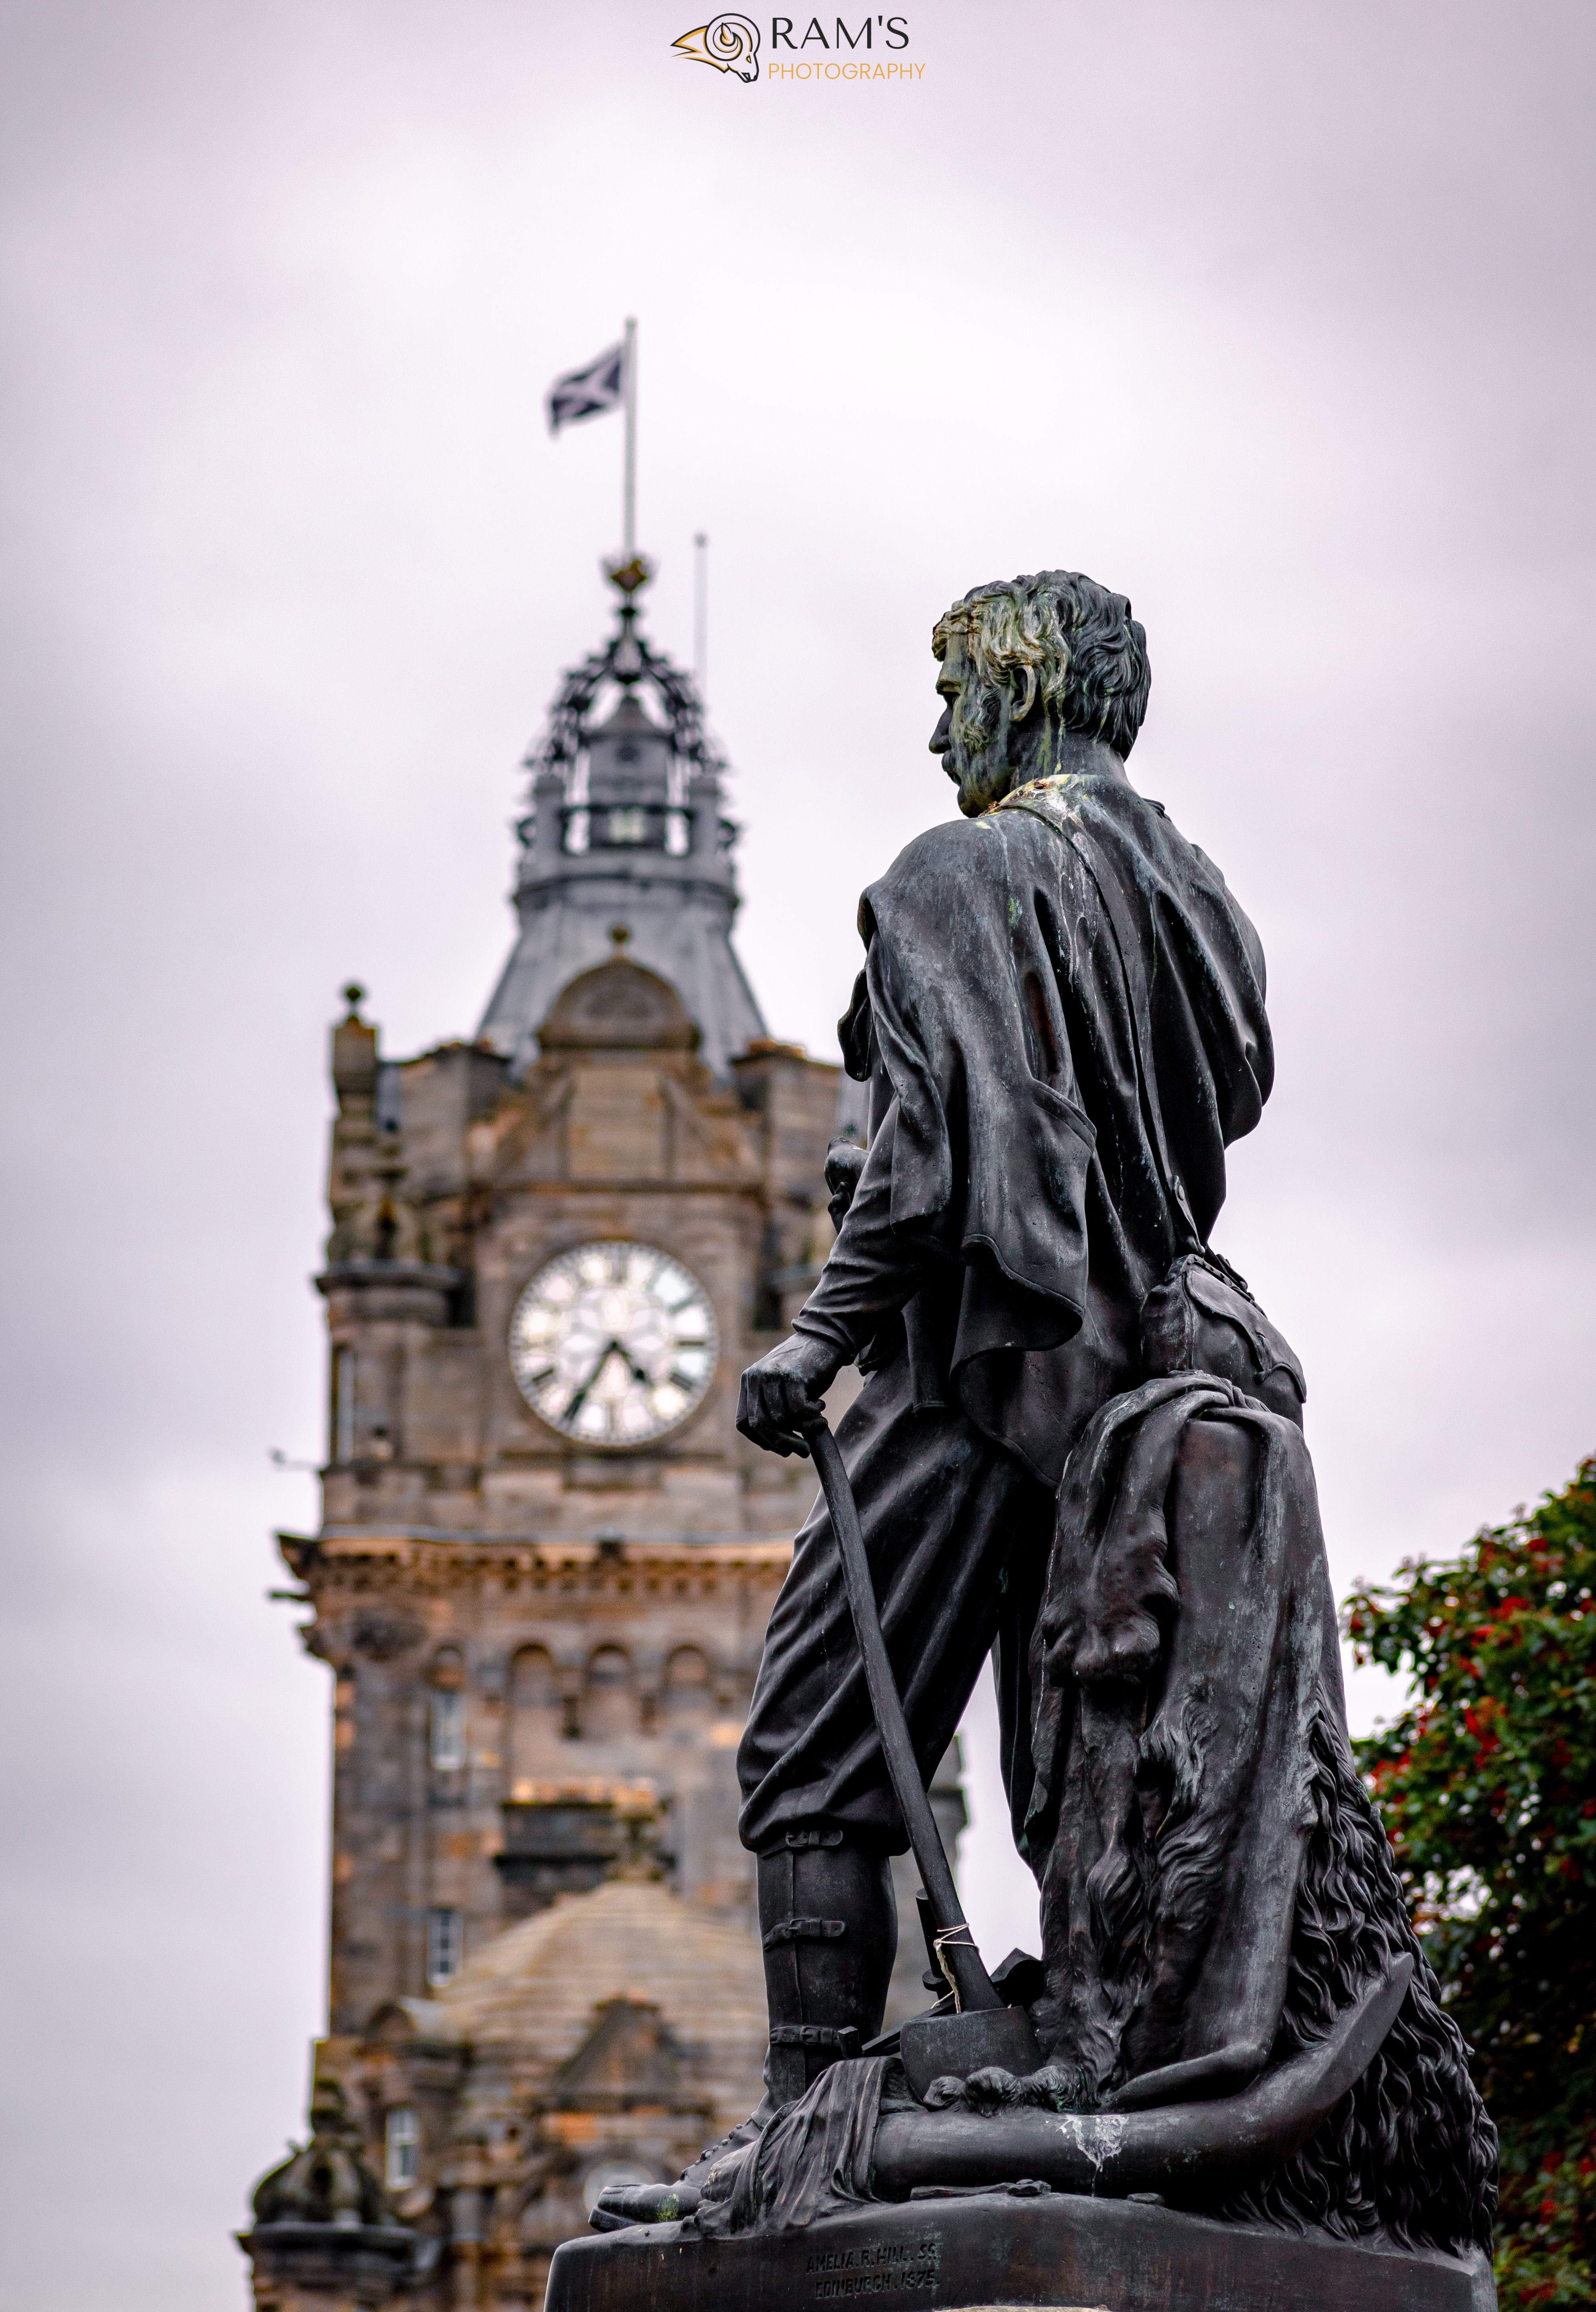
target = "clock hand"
x: 618, y: 1348
x: 578, y: 1401
x: 610, y: 1349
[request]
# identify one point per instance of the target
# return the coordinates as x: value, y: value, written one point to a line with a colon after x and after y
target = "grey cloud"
x: 1279, y: 320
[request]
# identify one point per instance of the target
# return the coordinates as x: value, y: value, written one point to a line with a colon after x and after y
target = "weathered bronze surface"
x: 1079, y: 1447
x: 998, y: 2249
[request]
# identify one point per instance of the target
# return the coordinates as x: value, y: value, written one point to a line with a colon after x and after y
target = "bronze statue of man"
x: 1078, y: 1447
x: 1061, y: 1020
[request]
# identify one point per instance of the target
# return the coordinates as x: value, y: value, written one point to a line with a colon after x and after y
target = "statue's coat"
x: 1065, y: 1007
x: 1062, y: 1016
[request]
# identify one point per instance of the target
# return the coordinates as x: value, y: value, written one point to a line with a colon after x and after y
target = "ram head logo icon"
x: 729, y: 43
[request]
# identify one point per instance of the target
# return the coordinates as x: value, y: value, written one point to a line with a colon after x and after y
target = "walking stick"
x: 982, y: 2030
x: 956, y: 1953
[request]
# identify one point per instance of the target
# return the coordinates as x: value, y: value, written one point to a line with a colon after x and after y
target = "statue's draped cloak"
x: 1185, y: 1651
x: 1063, y: 1007
x: 812, y: 2161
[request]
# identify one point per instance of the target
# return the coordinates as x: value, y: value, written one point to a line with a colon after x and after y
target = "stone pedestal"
x: 997, y: 2250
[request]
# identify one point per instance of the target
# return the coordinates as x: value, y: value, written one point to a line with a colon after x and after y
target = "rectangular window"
x: 445, y: 1940
x: 404, y: 2147
x: 627, y: 827
x: 343, y: 1405
x: 448, y: 1743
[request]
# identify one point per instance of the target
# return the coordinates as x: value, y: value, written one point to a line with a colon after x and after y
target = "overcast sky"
x: 1277, y: 318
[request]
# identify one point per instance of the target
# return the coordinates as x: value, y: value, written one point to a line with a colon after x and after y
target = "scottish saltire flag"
x: 587, y: 392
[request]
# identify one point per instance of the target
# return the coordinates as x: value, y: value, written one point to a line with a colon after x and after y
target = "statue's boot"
x: 829, y: 1925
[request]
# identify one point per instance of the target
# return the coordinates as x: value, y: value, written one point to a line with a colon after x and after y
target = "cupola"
x: 626, y: 829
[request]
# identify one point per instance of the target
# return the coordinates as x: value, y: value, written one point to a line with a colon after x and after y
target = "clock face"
x: 613, y: 1343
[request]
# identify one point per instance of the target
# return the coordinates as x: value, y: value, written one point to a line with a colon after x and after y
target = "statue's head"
x: 1025, y: 662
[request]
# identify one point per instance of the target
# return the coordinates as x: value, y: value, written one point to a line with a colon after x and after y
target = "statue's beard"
x: 979, y: 747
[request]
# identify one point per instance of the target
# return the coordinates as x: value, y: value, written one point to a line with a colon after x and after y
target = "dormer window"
x: 403, y: 2136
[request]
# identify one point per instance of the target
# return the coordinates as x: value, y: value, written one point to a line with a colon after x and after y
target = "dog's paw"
x: 990, y: 2089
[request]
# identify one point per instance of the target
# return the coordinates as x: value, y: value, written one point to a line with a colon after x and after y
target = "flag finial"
x: 630, y: 573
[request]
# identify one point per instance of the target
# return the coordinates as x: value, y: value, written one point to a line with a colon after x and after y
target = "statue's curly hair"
x: 1059, y: 636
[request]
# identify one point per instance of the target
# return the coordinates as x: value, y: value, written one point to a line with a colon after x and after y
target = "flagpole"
x: 629, y: 545
x: 701, y: 614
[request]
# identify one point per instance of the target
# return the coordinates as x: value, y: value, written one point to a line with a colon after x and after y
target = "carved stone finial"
x: 640, y: 1863
x: 327, y: 2181
x: 323, y: 2227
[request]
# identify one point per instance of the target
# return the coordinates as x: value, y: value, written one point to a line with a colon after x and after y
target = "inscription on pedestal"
x: 874, y: 2268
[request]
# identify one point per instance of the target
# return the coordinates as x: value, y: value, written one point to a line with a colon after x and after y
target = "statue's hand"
x: 844, y: 1162
x: 779, y: 1399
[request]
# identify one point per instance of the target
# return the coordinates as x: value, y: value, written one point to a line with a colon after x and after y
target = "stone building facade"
x: 546, y: 1559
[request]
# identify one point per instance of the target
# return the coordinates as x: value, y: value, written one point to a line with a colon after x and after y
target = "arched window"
x: 688, y: 1695
x: 535, y: 1717
x: 446, y: 1718
x: 447, y: 1732
x: 342, y: 1409
x: 609, y: 1705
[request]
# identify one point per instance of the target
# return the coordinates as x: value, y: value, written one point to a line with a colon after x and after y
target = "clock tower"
x: 547, y: 1558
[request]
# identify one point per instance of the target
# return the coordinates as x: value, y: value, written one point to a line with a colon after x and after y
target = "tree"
x: 1488, y: 1785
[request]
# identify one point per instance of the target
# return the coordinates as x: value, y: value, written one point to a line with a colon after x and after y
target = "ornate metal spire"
x: 626, y: 827
x: 628, y: 659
